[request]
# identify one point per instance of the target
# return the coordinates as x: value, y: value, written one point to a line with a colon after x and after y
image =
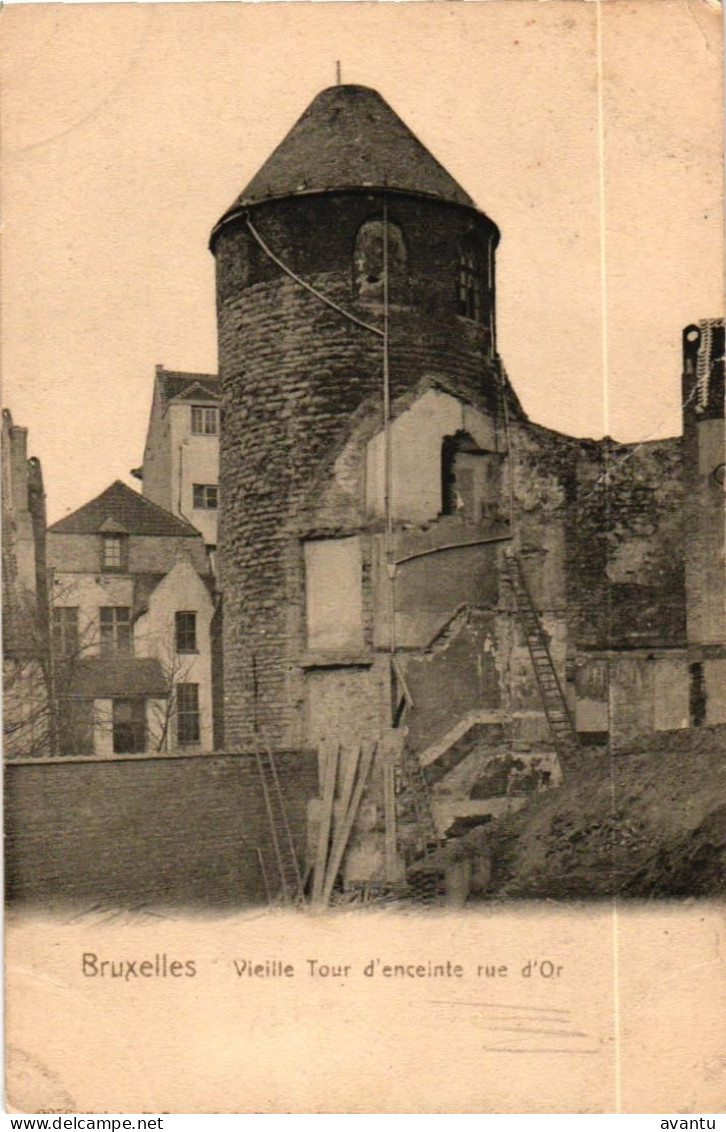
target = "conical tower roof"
x: 350, y: 138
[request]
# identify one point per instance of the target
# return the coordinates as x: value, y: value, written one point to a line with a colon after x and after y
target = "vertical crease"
x: 606, y: 430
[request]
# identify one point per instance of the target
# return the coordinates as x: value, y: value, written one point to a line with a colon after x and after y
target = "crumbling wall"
x: 294, y: 373
x: 457, y: 675
x: 607, y: 521
x: 429, y: 589
x: 625, y: 585
x: 347, y: 704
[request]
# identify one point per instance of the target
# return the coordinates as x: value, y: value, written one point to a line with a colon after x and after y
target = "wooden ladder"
x: 562, y: 730
x: 283, y: 843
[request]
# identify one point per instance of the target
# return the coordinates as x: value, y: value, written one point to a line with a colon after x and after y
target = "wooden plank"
x: 402, y: 681
x: 389, y: 811
x: 341, y: 841
x: 348, y: 773
x: 326, y: 817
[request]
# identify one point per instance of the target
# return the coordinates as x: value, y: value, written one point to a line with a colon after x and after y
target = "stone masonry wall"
x: 601, y: 524
x: 294, y: 371
x: 626, y: 585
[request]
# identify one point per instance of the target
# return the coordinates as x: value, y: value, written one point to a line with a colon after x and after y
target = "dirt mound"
x: 694, y: 865
x: 649, y: 823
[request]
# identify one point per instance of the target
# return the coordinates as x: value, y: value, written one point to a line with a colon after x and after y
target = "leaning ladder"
x: 283, y: 843
x: 557, y: 712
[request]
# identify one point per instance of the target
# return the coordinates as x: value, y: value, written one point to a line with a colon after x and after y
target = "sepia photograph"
x: 363, y: 531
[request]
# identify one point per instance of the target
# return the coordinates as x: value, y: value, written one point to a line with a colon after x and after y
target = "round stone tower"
x: 300, y: 298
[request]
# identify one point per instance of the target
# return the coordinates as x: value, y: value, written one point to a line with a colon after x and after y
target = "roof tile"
x: 174, y: 384
x: 99, y: 677
x: 120, y: 507
x: 349, y: 137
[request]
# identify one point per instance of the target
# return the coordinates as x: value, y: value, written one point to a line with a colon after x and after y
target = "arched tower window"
x: 471, y: 281
x: 368, y: 262
x: 469, y: 479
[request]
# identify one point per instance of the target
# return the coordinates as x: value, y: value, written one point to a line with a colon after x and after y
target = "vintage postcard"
x: 364, y: 644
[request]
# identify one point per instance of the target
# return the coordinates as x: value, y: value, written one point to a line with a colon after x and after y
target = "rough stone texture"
x: 626, y: 584
x: 27, y: 725
x: 117, y: 833
x: 294, y: 371
x: 602, y: 526
x: 348, y: 703
x: 597, y: 526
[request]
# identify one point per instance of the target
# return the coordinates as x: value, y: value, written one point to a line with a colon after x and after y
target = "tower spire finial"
x: 337, y: 72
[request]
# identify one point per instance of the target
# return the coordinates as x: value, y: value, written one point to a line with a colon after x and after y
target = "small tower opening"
x: 368, y: 262
x: 469, y: 479
x: 471, y: 281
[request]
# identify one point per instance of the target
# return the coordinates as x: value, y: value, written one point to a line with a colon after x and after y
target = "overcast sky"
x: 128, y: 129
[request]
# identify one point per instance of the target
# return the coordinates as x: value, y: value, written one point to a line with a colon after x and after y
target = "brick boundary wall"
x: 147, y: 831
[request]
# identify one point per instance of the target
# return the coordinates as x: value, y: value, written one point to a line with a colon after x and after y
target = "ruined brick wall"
x: 294, y: 371
x: 625, y: 537
x: 600, y: 534
x: 600, y: 528
x: 164, y: 831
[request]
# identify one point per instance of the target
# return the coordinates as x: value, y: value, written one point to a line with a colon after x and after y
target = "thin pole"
x: 389, y: 810
x: 286, y: 824
x: 388, y: 455
x: 510, y: 456
x: 263, y: 871
x: 53, y: 705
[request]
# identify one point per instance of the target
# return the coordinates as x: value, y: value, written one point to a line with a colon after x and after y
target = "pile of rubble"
x: 648, y: 822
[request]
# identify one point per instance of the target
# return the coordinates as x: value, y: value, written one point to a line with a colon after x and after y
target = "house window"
x: 114, y: 552
x: 205, y: 420
x: 470, y: 282
x: 65, y: 631
x: 187, y: 713
x: 129, y: 727
x: 115, y: 630
x: 205, y: 496
x: 368, y: 262
x: 186, y: 631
